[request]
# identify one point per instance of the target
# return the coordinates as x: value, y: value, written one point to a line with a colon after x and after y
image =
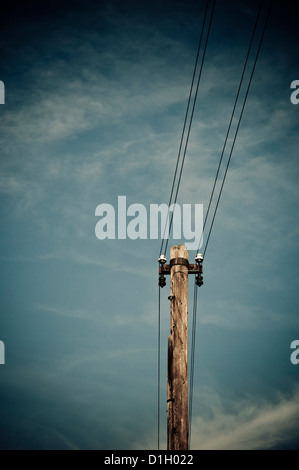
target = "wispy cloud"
x: 65, y: 312
x: 253, y: 423
x: 95, y: 106
x: 239, y: 316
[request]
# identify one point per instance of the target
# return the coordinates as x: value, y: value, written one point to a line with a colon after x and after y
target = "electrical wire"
x: 184, y: 127
x: 206, y: 218
x: 159, y: 361
x: 219, y: 196
x: 191, y: 119
x: 185, y: 120
x: 173, y: 187
x: 230, y: 122
x: 191, y: 376
x: 238, y: 126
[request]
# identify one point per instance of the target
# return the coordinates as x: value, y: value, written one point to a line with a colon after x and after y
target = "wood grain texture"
x: 177, y: 374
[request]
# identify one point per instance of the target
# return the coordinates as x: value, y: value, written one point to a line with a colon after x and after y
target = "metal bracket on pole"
x: 164, y: 269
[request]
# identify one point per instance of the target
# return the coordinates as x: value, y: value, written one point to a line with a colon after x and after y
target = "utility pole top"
x: 179, y: 255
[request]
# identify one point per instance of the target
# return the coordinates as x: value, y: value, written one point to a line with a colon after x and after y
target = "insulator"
x: 162, y: 259
x: 162, y: 281
x: 199, y: 258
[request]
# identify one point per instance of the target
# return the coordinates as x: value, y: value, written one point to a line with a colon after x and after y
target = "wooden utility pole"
x: 177, y: 373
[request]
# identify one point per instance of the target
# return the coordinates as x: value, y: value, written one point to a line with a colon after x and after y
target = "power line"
x: 207, y: 214
x: 192, y: 360
x: 238, y: 126
x: 191, y: 119
x: 206, y: 217
x: 230, y: 122
x: 159, y: 361
x: 223, y: 181
x: 173, y: 186
x: 185, y: 122
x: 214, y: 185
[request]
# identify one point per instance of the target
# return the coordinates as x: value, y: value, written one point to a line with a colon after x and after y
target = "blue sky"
x: 95, y: 99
